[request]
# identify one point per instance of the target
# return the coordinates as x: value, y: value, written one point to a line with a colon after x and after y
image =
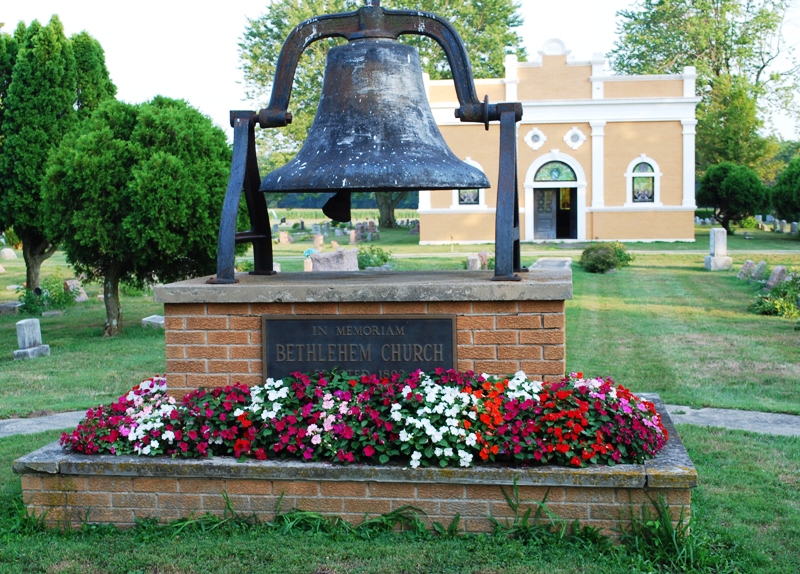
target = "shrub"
x: 781, y: 299
x: 599, y: 258
x: 748, y: 223
x: 51, y: 295
x: 12, y: 240
x: 372, y: 256
x: 622, y: 254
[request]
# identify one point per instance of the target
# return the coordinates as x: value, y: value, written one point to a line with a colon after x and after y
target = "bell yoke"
x: 373, y: 132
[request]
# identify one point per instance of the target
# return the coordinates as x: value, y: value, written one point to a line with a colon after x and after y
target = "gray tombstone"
x: 473, y: 263
x: 793, y: 228
x: 276, y: 267
x: 29, y: 339
x: 341, y: 260
x: 706, y: 221
x: 371, y: 226
x: 302, y: 225
x: 316, y: 229
x: 7, y: 253
x: 770, y: 219
x: 747, y: 270
x: 759, y: 272
x: 778, y: 275
x: 697, y: 220
x: 776, y: 225
x: 338, y: 232
x: 283, y: 238
x: 759, y: 218
x: 782, y: 226
x: 369, y: 236
x: 74, y: 286
x: 275, y: 229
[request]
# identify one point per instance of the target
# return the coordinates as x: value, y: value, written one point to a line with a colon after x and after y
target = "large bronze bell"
x: 373, y: 131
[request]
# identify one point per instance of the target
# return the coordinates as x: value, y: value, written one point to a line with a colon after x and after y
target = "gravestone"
x: 338, y: 232
x: 74, y: 286
x: 353, y: 237
x: 7, y: 253
x: 759, y: 218
x: 2, y: 269
x: 706, y: 221
x: 308, y: 265
x: 283, y: 220
x: 371, y: 226
x: 414, y: 229
x: 29, y: 339
x: 369, y: 236
x: 793, y: 228
x: 334, y: 245
x: 776, y: 225
x: 10, y: 308
x: 484, y: 257
x: 697, y: 220
x: 341, y: 260
x: 473, y: 263
x: 770, y: 219
x: 276, y: 267
x: 319, y: 241
x: 316, y: 229
x: 275, y: 229
x: 778, y: 275
x: 302, y: 225
x: 283, y: 238
x: 154, y: 321
x: 718, y: 259
x: 759, y: 271
x: 747, y: 270
x: 782, y: 226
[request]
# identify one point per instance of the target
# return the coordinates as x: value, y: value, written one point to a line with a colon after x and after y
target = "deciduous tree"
x: 786, y: 192
x: 136, y: 193
x: 486, y: 26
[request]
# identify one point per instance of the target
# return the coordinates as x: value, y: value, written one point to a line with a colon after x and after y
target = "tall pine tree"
x: 47, y: 85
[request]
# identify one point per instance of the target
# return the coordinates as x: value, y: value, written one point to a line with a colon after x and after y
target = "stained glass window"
x: 643, y: 188
x: 643, y: 168
x: 468, y: 197
x: 555, y: 171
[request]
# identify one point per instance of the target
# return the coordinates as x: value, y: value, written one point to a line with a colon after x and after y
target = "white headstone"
x: 319, y: 241
x: 759, y: 218
x: 155, y: 321
x: 29, y: 339
x: 718, y: 242
x: 341, y: 260
x: 276, y: 267
x: 473, y: 263
x: 7, y: 253
x: 792, y: 229
x: 782, y: 226
x: 770, y: 219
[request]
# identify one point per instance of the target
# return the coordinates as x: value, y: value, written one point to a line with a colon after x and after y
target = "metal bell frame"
x: 369, y: 21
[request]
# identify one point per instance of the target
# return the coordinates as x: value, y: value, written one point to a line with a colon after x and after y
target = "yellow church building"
x: 600, y: 157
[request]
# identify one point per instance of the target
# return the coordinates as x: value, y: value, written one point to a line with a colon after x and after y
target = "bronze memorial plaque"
x: 358, y: 344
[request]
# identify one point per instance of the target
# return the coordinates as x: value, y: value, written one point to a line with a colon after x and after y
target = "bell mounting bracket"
x: 369, y: 21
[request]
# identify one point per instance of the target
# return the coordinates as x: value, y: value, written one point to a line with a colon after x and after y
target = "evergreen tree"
x: 38, y: 111
x: 733, y: 191
x: 786, y: 192
x: 136, y: 193
x: 485, y: 26
x: 47, y: 85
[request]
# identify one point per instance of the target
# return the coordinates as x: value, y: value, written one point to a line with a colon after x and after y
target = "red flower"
x: 368, y: 450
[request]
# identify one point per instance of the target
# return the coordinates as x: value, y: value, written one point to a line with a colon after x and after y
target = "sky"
x: 189, y: 49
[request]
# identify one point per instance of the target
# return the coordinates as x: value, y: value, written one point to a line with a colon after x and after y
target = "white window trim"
x: 554, y: 155
x: 629, y: 175
x: 481, y: 206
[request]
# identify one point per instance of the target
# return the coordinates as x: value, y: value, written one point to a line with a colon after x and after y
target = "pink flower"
x: 368, y: 450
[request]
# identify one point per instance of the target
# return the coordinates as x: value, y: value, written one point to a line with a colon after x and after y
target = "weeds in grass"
x: 450, y: 531
x: 656, y: 542
x: 15, y: 519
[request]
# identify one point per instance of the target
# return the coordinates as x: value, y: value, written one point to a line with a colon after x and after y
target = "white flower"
x: 146, y: 450
x: 448, y: 452
x: 168, y: 436
x: 404, y: 436
x: 414, y: 464
x: 471, y: 440
x: 437, y: 451
x: 416, y: 455
x: 238, y: 412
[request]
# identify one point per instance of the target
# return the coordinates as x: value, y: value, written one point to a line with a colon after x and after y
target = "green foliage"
x: 733, y: 191
x: 599, y: 258
x: 372, y: 256
x: 52, y: 295
x: 748, y: 222
x: 486, y: 26
x: 12, y: 239
x: 655, y: 541
x: 136, y: 192
x: 622, y: 254
x: 52, y: 82
x: 786, y: 192
x: 781, y: 299
x: 728, y: 129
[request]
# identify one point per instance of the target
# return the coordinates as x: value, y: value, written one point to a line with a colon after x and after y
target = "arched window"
x: 643, y: 182
x: 555, y: 171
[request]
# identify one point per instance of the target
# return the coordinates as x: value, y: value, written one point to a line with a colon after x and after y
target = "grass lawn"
x: 746, y: 511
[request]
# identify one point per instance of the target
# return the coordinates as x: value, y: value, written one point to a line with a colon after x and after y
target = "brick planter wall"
x: 72, y: 488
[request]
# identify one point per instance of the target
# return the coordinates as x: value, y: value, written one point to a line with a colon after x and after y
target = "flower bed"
x: 439, y: 419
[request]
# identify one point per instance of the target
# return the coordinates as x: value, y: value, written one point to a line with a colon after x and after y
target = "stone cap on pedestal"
x: 541, y: 284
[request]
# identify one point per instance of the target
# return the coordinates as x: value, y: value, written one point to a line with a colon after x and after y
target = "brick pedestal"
x: 213, y: 332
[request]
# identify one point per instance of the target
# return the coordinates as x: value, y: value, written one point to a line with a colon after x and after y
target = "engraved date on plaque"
x: 358, y: 344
